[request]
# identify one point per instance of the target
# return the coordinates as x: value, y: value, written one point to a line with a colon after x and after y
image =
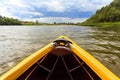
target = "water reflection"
x: 17, y: 42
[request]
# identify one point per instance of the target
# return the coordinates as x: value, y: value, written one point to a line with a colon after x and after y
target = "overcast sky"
x: 51, y: 10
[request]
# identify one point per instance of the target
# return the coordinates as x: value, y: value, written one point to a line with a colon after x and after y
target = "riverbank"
x: 103, y: 24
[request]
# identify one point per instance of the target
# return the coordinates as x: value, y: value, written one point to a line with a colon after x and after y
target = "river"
x: 17, y: 42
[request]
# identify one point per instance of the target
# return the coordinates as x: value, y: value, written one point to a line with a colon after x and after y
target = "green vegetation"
x: 9, y: 21
x: 102, y: 24
x: 106, y: 16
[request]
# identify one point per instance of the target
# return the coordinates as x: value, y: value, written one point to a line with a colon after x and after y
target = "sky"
x: 51, y: 10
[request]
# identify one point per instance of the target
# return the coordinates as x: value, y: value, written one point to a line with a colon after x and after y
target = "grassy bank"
x: 103, y: 24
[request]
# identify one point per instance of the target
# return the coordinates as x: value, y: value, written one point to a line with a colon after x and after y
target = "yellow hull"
x: 94, y: 64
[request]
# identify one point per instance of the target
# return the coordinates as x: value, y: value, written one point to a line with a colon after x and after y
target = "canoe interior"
x: 60, y: 64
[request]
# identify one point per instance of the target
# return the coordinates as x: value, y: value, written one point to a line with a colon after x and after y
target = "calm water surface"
x: 17, y: 42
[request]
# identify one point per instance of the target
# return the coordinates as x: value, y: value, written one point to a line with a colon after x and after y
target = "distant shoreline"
x: 102, y: 24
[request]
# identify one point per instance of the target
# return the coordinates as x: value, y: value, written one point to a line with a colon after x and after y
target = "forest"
x: 9, y: 21
x: 108, y: 15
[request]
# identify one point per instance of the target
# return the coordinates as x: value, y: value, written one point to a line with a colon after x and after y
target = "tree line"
x: 9, y: 21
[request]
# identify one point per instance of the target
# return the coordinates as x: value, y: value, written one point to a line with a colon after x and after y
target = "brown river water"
x: 18, y: 42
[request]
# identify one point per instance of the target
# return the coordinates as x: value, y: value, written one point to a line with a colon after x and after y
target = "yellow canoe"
x: 62, y: 59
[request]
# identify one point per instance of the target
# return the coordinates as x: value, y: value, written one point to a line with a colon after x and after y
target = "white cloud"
x: 55, y: 6
x: 49, y: 5
x: 90, y: 5
x: 104, y: 2
x: 17, y: 3
x: 5, y: 12
x: 33, y: 13
x: 57, y: 19
x: 17, y: 9
x: 66, y: 5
